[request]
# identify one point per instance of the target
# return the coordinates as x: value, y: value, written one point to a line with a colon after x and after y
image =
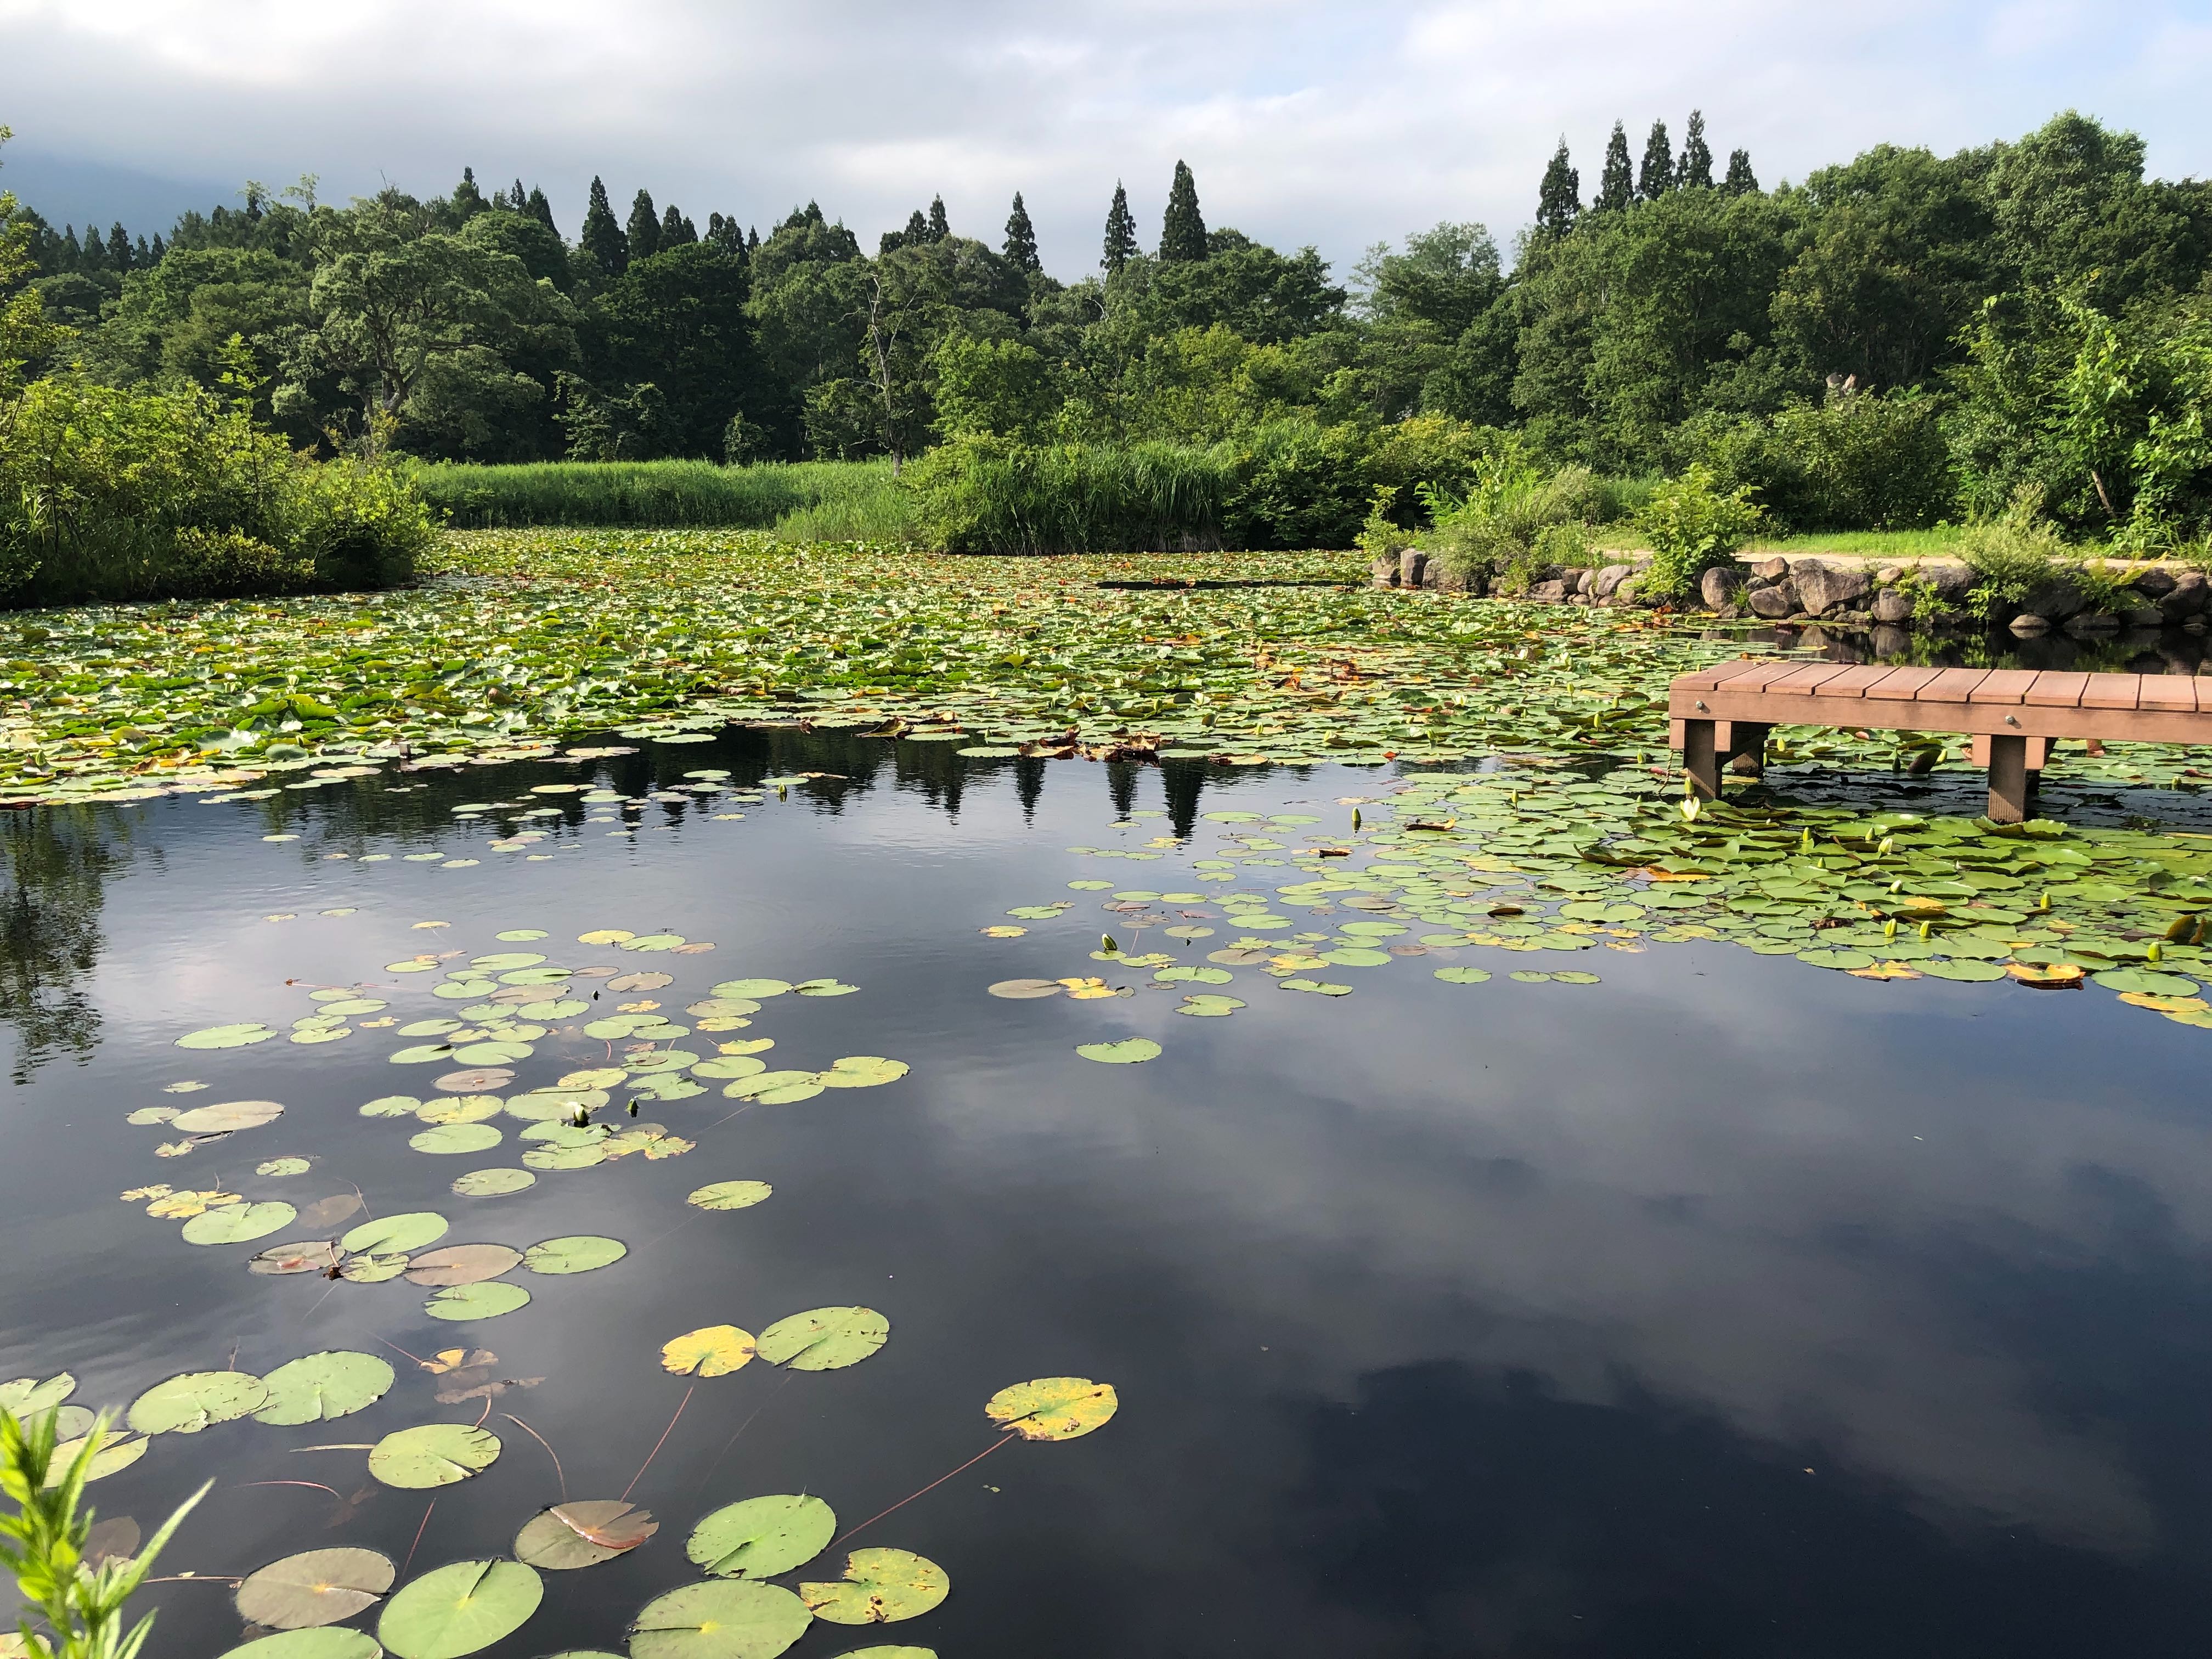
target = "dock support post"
x: 2009, y: 780
x: 1701, y: 761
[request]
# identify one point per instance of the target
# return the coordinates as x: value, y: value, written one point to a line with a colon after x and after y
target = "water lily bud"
x: 1889, y: 928
x: 1355, y: 817
x: 1106, y: 943
x: 1927, y: 929
x: 2157, y: 951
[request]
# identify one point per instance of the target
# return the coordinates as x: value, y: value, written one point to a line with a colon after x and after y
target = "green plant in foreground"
x: 1692, y: 524
x: 2015, y: 553
x: 43, y: 1544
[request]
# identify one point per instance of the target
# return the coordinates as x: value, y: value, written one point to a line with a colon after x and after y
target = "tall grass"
x: 659, y: 493
x: 987, y: 498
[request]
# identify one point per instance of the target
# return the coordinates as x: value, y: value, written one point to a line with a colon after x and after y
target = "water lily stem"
x: 417, y: 1543
x: 550, y: 1452
x: 932, y: 1486
x: 657, y: 1445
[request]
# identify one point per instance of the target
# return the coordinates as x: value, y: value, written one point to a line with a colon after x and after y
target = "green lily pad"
x: 2146, y: 981
x: 861, y: 1072
x: 730, y: 1195
x: 323, y: 1386
x: 762, y: 1537
x: 720, y: 1619
x: 493, y: 1184
x: 433, y: 1455
x: 329, y: 1642
x: 26, y: 1396
x: 196, y: 1399
x: 823, y: 1339
x: 751, y: 989
x: 580, y: 1254
x: 226, y: 1037
x: 1841, y: 959
x: 879, y: 1586
x: 776, y: 1088
x: 1973, y: 972
x: 446, y: 1138
x: 1130, y: 1051
x: 459, y: 1609
x: 238, y: 1224
x: 395, y: 1235
x: 1319, y: 987
x: 1463, y: 975
x: 485, y: 1299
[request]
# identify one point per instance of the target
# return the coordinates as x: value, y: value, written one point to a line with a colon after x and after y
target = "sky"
x: 1305, y: 121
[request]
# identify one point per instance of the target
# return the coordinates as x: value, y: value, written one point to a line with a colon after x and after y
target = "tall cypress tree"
x: 468, y: 200
x: 601, y: 237
x: 1120, y: 232
x: 644, y: 227
x: 939, y: 226
x: 1560, y: 199
x: 676, y: 230
x: 542, y: 211
x: 1183, y: 229
x: 92, y: 256
x: 1616, y: 190
x: 1656, y: 176
x: 118, y: 247
x: 515, y: 199
x: 1021, y: 248
x: 752, y: 239
x: 1740, y: 180
x: 1696, y: 172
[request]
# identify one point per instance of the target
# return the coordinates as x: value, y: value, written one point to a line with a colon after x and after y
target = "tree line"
x: 1899, y: 338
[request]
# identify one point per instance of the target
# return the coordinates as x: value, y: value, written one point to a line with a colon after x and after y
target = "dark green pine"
x: 1182, y: 228
x: 644, y: 227
x: 1559, y: 201
x: 1616, y: 190
x: 1656, y: 176
x: 1696, y: 172
x: 601, y: 237
x: 1120, y: 232
x: 1021, y: 248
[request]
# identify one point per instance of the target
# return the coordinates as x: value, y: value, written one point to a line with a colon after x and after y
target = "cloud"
x: 1311, y: 121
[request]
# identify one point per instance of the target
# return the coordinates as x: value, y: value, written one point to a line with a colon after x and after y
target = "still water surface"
x: 1727, y: 1307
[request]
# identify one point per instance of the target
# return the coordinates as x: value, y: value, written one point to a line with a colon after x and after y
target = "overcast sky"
x: 1315, y: 121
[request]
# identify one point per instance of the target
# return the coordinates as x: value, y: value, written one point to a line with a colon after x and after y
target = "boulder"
x: 1950, y: 580
x: 1718, y: 585
x: 1772, y: 603
x: 1825, y: 587
x: 2028, y: 622
x: 1443, y: 578
x: 1608, y: 579
x: 1889, y: 575
x: 2143, y: 616
x: 1773, y: 570
x: 1550, y: 593
x: 1578, y: 581
x: 2093, y: 622
x: 1892, y: 604
x: 1410, y: 563
x: 1383, y: 572
x: 1887, y: 640
x: 2153, y: 584
x: 2057, y: 600
x: 2187, y: 597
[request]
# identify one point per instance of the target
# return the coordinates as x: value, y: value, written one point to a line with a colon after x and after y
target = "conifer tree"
x: 1741, y: 182
x: 542, y: 211
x: 675, y: 229
x: 160, y: 248
x: 72, y: 257
x: 1021, y: 248
x: 1182, y: 229
x: 468, y: 200
x: 1696, y: 172
x: 92, y: 256
x: 644, y: 227
x: 515, y: 199
x: 752, y: 239
x: 939, y: 226
x: 1656, y: 176
x: 1616, y: 190
x: 1120, y: 232
x: 1560, y: 200
x: 118, y: 247
x: 601, y: 237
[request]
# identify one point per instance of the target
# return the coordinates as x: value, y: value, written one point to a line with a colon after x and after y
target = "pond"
x: 1489, y: 1248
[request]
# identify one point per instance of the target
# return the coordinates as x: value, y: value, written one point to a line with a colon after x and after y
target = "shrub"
x: 2013, y: 552
x: 988, y: 495
x: 1293, y: 484
x: 1693, y: 523
x: 125, y: 494
x: 1514, y: 520
x: 1856, y: 461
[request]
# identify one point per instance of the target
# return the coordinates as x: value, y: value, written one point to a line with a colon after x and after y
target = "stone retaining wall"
x: 1920, y: 596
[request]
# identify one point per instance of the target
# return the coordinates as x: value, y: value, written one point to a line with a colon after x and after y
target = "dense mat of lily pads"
x: 524, y: 638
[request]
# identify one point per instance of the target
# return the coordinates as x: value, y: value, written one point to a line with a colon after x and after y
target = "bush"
x: 110, y: 494
x: 1514, y: 520
x: 988, y: 495
x: 1692, y: 524
x: 1856, y: 461
x: 1294, y: 483
x: 2013, y: 552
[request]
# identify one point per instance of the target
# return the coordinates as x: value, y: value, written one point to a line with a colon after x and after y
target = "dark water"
x: 1729, y: 1307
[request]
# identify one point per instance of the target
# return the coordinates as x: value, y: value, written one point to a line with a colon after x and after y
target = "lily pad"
x: 238, y: 1223
x: 459, y: 1609
x: 1130, y: 1051
x: 487, y: 1299
x: 880, y: 1586
x: 730, y: 1195
x: 762, y: 1537
x: 1018, y: 990
x: 314, y: 1256
x: 462, y: 1264
x: 227, y: 1117
x: 752, y: 989
x: 433, y: 1455
x: 193, y: 1401
x: 580, y: 1254
x: 861, y: 1072
x: 710, y: 1350
x: 1052, y: 1407
x: 115, y: 1455
x: 493, y: 1184
x: 448, y: 1139
x: 824, y: 1338
x: 324, y: 1386
x: 720, y: 1619
x: 582, y: 1533
x: 1463, y: 975
x: 26, y: 1396
x: 395, y: 1235
x: 329, y: 1642
x: 314, y: 1588
x: 226, y: 1037
x: 1973, y: 972
x: 776, y: 1088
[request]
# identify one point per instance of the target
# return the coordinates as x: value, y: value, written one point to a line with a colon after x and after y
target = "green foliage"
x: 114, y: 494
x: 985, y: 495
x: 1183, y: 230
x: 687, y: 493
x: 1693, y: 523
x: 1515, y: 519
x: 1856, y: 461
x: 43, y: 1544
x: 2013, y: 552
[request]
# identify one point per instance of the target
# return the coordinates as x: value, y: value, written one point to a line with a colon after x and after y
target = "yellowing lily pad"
x: 879, y: 1586
x: 1052, y: 1407
x: 710, y: 1350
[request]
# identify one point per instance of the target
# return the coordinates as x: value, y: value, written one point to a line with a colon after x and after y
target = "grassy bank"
x: 825, y: 500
